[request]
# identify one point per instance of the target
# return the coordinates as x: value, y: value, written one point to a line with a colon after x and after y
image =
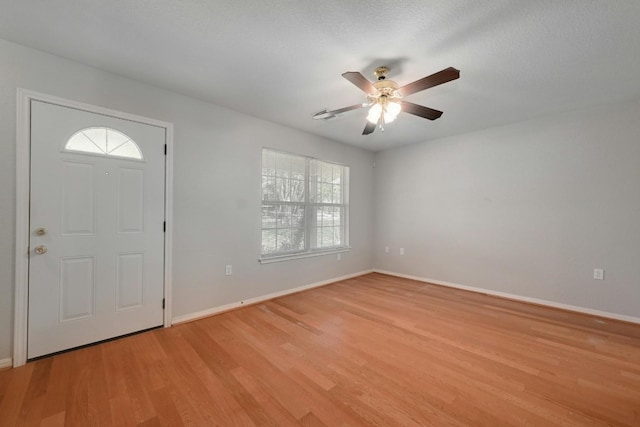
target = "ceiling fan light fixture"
x: 374, y: 113
x: 389, y: 111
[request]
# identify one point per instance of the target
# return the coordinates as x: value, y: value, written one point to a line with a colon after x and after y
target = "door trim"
x: 23, y: 176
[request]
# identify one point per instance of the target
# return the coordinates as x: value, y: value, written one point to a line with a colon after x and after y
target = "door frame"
x: 23, y: 181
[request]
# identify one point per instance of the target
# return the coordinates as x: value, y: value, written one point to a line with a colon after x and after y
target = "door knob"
x: 41, y: 231
x: 40, y: 249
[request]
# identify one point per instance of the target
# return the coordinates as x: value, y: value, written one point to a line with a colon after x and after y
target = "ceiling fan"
x: 385, y: 97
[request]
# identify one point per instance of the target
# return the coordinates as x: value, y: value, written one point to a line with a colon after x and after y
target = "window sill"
x: 280, y: 258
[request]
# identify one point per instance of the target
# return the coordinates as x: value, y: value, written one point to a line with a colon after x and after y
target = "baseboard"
x: 6, y: 363
x: 547, y: 303
x: 220, y: 309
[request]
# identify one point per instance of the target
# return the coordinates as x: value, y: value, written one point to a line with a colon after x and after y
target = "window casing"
x: 304, y: 206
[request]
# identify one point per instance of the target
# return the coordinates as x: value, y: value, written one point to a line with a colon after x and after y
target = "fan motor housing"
x: 385, y: 84
x: 386, y: 89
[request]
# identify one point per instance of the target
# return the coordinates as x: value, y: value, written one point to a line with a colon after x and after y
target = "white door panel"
x: 102, y: 273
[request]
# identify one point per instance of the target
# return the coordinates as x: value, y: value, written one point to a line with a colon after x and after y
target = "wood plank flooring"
x: 370, y: 351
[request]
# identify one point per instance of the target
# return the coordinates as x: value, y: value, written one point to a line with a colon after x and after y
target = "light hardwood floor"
x: 374, y: 350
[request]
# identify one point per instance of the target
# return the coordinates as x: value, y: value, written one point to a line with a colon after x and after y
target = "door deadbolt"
x: 40, y: 249
x: 41, y: 231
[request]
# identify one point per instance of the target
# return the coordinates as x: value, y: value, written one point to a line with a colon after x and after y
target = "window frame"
x: 310, y: 212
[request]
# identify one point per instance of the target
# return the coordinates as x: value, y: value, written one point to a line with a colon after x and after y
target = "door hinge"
x: 165, y: 149
x: 164, y: 226
x: 163, y: 303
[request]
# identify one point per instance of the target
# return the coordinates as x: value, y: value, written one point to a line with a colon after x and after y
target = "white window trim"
x: 297, y: 255
x: 308, y: 253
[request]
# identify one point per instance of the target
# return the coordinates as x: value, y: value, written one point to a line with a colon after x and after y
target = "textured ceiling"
x: 281, y: 60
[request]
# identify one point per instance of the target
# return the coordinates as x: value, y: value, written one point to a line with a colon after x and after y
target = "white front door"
x: 96, y: 264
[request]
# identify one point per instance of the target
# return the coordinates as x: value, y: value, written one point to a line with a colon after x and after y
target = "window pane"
x: 337, y: 236
x: 326, y: 173
x: 289, y: 183
x: 268, y: 241
x: 328, y: 227
x: 313, y: 169
x: 283, y: 240
x: 296, y: 193
x: 324, y: 237
x: 115, y: 139
x: 290, y: 239
x: 297, y: 239
x: 283, y: 165
x: 325, y: 216
x: 314, y: 189
x: 297, y: 216
x: 80, y: 142
x: 337, y: 174
x: 327, y: 193
x: 337, y: 216
x: 280, y: 190
x: 98, y: 136
x: 327, y: 237
x: 268, y: 216
x: 319, y: 216
x: 128, y: 149
x: 268, y: 189
x: 337, y: 194
x: 283, y: 216
x: 104, y: 141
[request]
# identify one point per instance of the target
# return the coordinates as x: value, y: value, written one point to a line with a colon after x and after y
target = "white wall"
x: 528, y: 209
x: 216, y: 185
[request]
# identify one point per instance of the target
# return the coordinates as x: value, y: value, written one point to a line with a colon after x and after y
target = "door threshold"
x: 93, y: 343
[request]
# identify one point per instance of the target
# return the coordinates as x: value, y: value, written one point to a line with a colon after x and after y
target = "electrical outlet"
x: 386, y: 249
x: 598, y: 274
x: 228, y: 271
x: 401, y: 251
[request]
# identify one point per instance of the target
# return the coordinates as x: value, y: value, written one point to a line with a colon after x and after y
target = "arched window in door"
x: 103, y: 141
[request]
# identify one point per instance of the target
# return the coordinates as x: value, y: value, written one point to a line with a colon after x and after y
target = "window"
x: 105, y: 142
x: 304, y: 206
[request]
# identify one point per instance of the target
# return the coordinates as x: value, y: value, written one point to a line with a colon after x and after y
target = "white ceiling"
x: 282, y: 60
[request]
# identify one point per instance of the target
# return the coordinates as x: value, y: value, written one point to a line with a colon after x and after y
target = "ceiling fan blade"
x: 369, y: 128
x: 361, y: 81
x: 435, y: 79
x: 420, y: 110
x: 349, y: 108
x: 326, y: 115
